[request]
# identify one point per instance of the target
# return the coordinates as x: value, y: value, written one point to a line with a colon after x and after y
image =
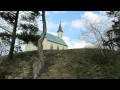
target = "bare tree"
x: 37, y: 66
x: 94, y: 29
x: 101, y: 23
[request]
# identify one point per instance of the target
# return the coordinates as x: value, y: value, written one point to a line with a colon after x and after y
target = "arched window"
x: 51, y: 47
x: 57, y: 47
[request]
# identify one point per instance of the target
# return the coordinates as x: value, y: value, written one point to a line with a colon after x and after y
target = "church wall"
x: 46, y: 46
x: 55, y: 45
x: 31, y: 47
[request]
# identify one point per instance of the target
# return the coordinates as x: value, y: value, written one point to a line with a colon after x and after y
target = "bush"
x: 98, y: 58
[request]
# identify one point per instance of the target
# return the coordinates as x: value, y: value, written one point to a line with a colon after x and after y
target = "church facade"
x: 50, y: 42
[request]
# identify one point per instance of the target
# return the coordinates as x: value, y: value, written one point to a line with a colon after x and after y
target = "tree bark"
x: 10, y: 56
x: 1, y: 51
x: 37, y: 66
x: 40, y: 47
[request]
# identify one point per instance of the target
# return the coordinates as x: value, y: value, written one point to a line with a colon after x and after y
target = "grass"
x: 65, y: 64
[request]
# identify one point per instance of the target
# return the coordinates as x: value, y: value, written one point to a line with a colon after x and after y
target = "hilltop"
x: 64, y: 64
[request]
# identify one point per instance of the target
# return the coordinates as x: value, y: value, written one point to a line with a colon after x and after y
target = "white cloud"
x: 77, y: 24
x: 81, y: 44
x: 54, y: 12
x: 103, y: 12
x: 100, y: 20
x: 91, y: 16
x: 75, y: 44
x: 64, y: 23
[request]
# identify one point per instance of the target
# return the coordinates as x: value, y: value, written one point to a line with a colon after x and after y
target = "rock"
x: 8, y: 77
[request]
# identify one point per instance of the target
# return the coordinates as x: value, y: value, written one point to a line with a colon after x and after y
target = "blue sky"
x: 72, y: 25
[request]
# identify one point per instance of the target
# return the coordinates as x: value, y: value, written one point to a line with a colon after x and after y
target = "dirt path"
x: 56, y: 71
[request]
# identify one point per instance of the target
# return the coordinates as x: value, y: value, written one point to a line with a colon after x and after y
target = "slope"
x: 64, y: 64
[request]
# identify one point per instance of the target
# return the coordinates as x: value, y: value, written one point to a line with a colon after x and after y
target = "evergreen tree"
x: 114, y: 34
x: 25, y: 21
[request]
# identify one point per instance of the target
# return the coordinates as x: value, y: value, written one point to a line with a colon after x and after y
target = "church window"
x: 51, y: 47
x: 57, y: 47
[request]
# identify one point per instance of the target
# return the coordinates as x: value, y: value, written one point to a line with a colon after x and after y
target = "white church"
x: 50, y: 41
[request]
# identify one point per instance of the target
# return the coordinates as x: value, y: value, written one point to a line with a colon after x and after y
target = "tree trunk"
x: 1, y: 51
x: 10, y: 56
x: 37, y: 66
x: 101, y: 50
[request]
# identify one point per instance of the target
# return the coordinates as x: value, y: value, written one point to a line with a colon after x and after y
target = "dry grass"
x: 64, y: 64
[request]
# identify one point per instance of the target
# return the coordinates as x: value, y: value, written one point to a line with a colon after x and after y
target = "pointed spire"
x: 60, y: 28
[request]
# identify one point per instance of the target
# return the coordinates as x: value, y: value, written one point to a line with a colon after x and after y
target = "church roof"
x: 53, y: 38
x: 60, y: 28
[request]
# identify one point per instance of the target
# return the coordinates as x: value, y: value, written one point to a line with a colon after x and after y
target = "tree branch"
x: 5, y: 34
x: 5, y: 29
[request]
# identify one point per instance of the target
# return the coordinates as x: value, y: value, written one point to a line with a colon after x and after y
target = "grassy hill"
x: 64, y: 64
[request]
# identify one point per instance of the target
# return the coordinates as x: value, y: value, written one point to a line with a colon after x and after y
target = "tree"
x: 114, y: 33
x: 4, y: 47
x: 37, y: 66
x: 94, y: 27
x: 19, y: 20
x: 13, y: 35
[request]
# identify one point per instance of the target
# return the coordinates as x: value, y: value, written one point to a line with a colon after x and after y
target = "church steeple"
x: 60, y: 28
x: 60, y: 31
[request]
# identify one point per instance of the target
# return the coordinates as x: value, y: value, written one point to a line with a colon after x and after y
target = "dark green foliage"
x: 5, y: 35
x: 113, y: 34
x: 28, y: 38
x: 9, y: 16
x: 113, y: 13
x: 95, y: 59
x: 26, y: 22
x: 98, y: 58
x: 29, y: 27
x: 31, y: 18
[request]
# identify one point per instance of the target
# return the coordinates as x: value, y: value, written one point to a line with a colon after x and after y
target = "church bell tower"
x: 60, y: 32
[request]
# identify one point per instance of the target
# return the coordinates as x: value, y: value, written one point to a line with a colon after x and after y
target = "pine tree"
x: 114, y: 34
x: 23, y: 21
